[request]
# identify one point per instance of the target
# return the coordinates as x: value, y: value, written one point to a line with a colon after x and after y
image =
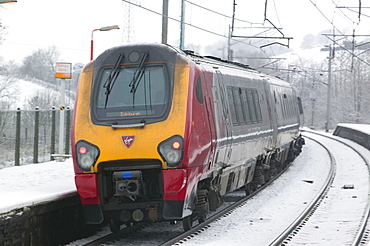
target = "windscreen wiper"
x: 137, y: 74
x: 108, y: 85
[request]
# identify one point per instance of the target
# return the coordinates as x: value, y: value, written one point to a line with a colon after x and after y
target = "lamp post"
x: 106, y: 28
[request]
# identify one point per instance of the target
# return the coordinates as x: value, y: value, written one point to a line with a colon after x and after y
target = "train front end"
x: 128, y: 136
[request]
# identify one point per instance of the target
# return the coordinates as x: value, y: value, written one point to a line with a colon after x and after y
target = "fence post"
x: 17, y: 137
x: 53, y: 127
x: 36, y: 137
x: 68, y: 131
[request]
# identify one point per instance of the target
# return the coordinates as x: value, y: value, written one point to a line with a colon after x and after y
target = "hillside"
x: 27, y: 94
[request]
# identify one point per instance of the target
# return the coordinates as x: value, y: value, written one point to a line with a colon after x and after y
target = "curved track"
x: 286, y: 236
x: 346, y: 208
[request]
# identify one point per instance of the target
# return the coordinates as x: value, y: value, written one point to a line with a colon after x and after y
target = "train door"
x: 300, y: 110
x: 210, y: 115
x: 271, y: 106
x: 224, y: 133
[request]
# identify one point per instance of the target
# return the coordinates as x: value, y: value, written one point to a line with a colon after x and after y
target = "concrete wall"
x: 355, y: 135
x: 51, y: 223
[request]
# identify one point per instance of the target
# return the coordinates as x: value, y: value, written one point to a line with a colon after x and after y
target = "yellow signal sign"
x: 63, y: 70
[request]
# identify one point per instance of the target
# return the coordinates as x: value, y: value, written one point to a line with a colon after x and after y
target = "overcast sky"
x: 67, y: 24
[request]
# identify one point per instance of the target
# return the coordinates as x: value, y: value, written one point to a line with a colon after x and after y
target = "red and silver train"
x: 162, y: 134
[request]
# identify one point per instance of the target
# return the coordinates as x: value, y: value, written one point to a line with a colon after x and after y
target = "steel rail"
x: 219, y: 214
x: 113, y: 236
x: 297, y: 224
x: 192, y: 232
x: 361, y: 233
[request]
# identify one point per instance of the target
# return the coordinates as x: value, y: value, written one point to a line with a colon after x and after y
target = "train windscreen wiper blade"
x: 137, y: 74
x: 108, y: 85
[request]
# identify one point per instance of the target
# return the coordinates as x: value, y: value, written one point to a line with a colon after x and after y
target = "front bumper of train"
x: 173, y: 204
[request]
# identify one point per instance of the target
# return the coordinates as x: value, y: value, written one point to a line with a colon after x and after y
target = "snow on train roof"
x: 220, y: 63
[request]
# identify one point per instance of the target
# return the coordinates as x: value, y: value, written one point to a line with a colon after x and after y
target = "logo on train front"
x: 128, y: 140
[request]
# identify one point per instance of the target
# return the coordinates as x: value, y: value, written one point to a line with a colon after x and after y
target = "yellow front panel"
x: 146, y: 139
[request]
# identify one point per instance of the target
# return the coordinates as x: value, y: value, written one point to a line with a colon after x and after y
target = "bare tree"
x: 7, y: 84
x: 41, y: 64
x: 2, y: 32
x: 7, y: 95
x: 43, y: 99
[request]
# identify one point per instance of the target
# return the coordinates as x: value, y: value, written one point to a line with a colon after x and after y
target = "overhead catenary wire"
x: 340, y: 34
x: 174, y: 19
x: 188, y: 24
x: 347, y: 17
x: 331, y: 22
x: 218, y: 13
x: 233, y: 27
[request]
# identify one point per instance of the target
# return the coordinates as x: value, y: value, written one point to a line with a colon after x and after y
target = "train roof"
x: 213, y: 61
x: 218, y: 62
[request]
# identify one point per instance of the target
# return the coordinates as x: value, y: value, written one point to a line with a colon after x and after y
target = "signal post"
x: 63, y: 71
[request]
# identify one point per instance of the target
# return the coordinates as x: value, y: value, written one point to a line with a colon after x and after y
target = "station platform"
x: 38, y: 201
x: 358, y: 133
x: 29, y: 185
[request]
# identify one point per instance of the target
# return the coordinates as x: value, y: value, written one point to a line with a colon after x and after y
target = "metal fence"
x: 32, y: 136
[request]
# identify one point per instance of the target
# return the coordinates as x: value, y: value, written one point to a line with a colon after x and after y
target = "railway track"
x: 174, y: 232
x: 286, y: 236
x: 308, y: 221
x: 176, y: 235
x: 304, y: 227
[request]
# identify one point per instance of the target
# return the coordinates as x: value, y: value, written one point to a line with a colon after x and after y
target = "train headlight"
x: 87, y: 154
x: 171, y: 150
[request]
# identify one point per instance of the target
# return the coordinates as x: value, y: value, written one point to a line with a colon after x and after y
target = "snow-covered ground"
x: 266, y: 215
x: 334, y: 223
x: 27, y: 185
x: 23, y: 90
x: 338, y: 218
x: 251, y: 224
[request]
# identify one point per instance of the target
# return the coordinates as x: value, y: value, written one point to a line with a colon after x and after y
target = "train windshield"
x: 124, y: 97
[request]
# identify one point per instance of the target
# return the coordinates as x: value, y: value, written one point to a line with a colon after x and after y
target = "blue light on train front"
x: 126, y: 175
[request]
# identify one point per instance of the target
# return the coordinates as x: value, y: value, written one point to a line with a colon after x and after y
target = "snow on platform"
x: 365, y: 128
x: 28, y: 185
x: 358, y: 133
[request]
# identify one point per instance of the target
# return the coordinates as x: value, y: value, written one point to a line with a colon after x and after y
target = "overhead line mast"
x: 164, y: 21
x: 128, y: 33
x: 182, y: 25
x: 261, y: 37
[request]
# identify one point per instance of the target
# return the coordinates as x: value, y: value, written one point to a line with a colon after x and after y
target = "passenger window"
x: 257, y: 105
x: 238, y: 105
x: 245, y: 107
x: 198, y: 91
x: 283, y: 106
x: 251, y: 106
x: 232, y: 105
x: 291, y: 106
x: 300, y: 105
